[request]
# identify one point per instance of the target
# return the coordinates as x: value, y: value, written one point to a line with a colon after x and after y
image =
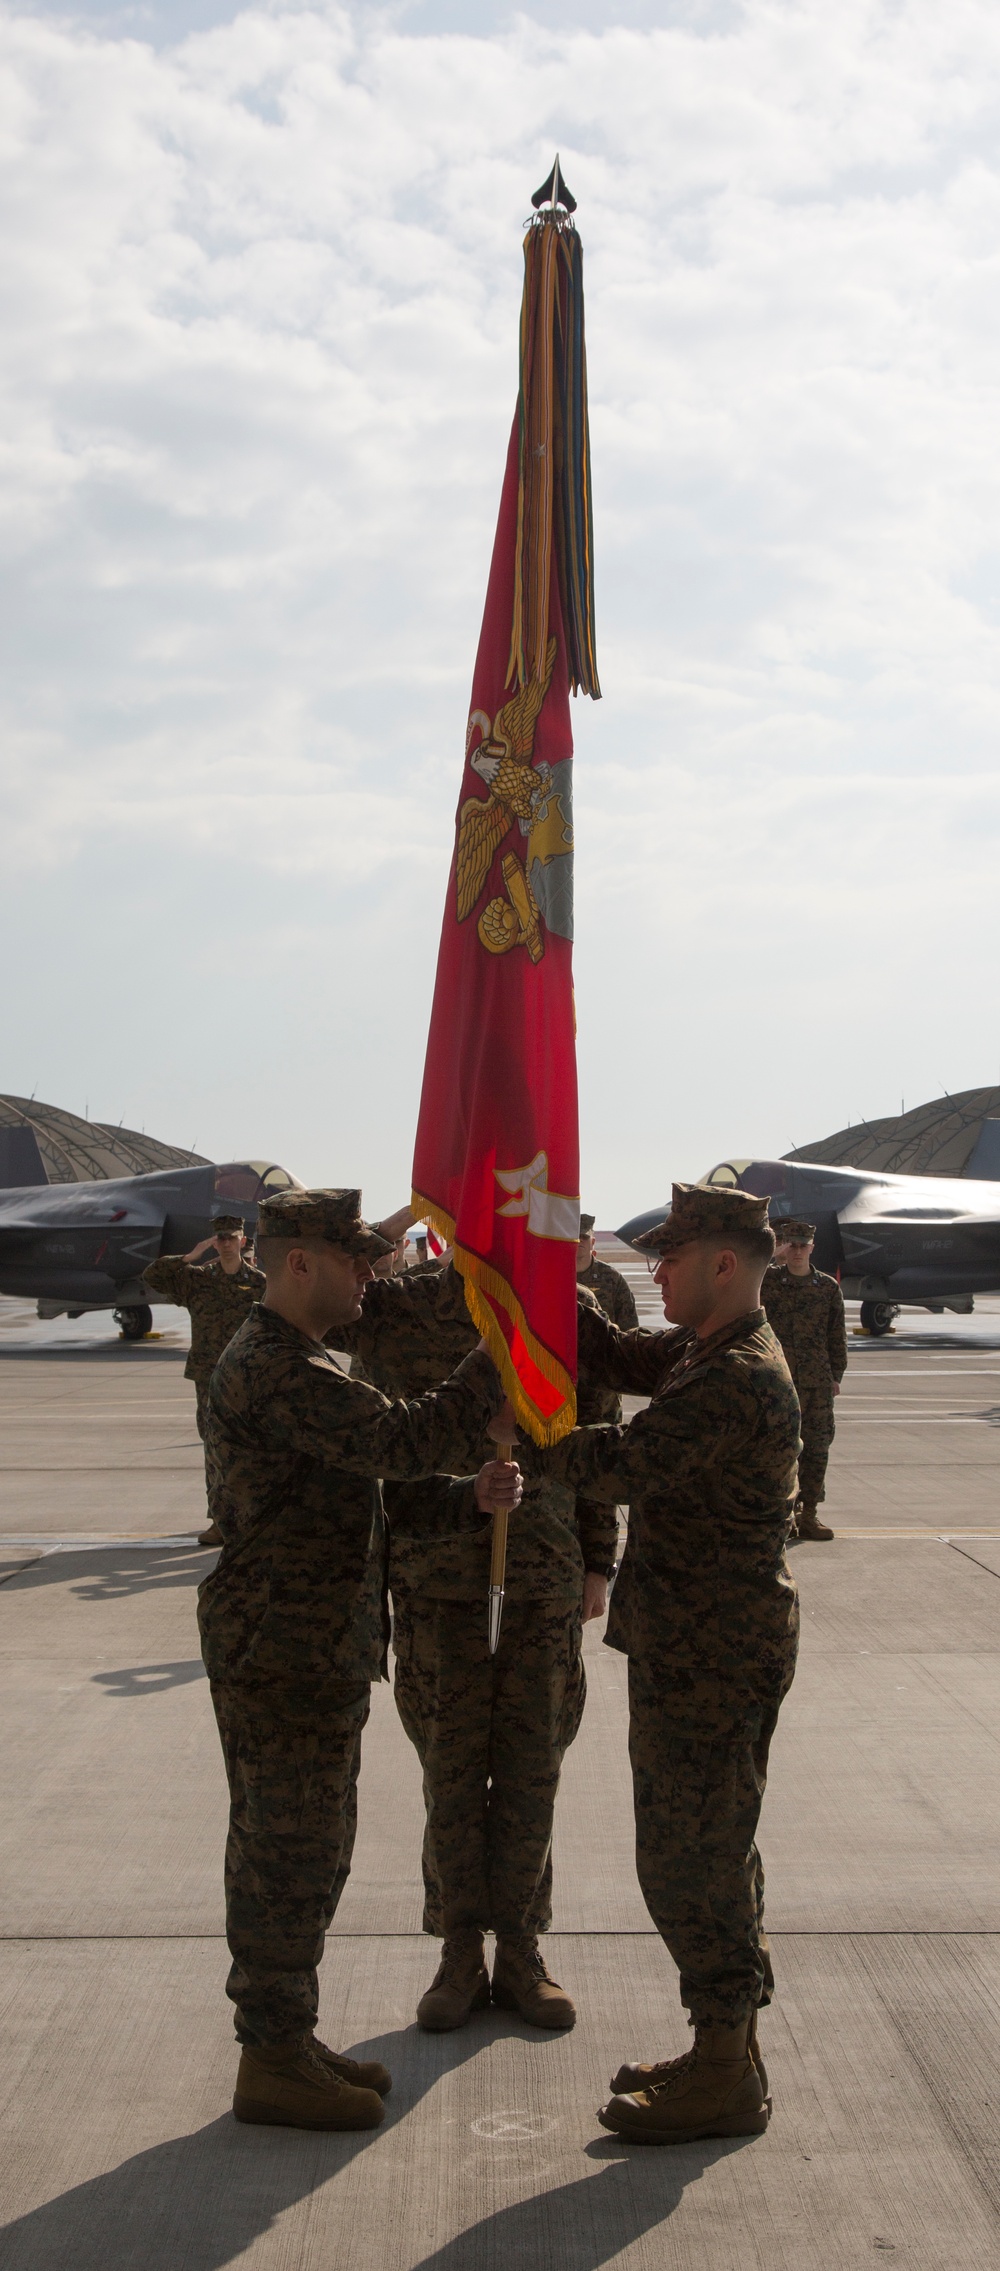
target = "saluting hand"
x: 498, y: 1487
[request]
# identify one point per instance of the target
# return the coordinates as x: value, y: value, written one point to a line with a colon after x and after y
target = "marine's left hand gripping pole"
x: 498, y: 1557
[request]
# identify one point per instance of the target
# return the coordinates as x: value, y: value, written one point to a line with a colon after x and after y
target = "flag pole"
x: 498, y: 1556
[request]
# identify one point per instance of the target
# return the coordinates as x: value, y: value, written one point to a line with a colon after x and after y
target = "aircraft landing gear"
x: 877, y: 1316
x: 135, y: 1321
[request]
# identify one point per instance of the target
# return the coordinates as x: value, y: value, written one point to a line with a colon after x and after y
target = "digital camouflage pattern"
x: 293, y: 1626
x: 334, y: 1216
x: 292, y: 1821
x: 412, y: 1332
x: 490, y: 1733
x: 697, y: 1804
x: 612, y: 1289
x: 807, y: 1314
x: 706, y: 1609
x: 705, y: 1597
x: 409, y: 1337
x: 293, y: 1451
x: 218, y: 1305
x: 613, y: 1293
x: 440, y: 1543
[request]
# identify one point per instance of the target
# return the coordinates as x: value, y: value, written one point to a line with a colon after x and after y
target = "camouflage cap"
x: 228, y: 1225
x: 791, y: 1229
x: 334, y: 1216
x: 700, y: 1212
x: 587, y: 1222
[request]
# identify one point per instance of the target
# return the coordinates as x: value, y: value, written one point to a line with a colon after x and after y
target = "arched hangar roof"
x: 953, y: 1135
x: 72, y: 1150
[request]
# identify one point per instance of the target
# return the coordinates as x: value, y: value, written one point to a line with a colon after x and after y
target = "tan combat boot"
x: 714, y: 2091
x: 809, y: 1525
x: 291, y: 2086
x: 362, y: 2073
x: 643, y: 2077
x: 210, y: 1537
x: 460, y: 1985
x: 521, y: 1983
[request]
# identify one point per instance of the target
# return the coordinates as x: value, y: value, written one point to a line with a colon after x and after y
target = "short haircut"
x: 748, y: 1245
x: 273, y: 1253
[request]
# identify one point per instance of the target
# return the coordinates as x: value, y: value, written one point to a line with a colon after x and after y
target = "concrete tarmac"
x: 879, y: 1834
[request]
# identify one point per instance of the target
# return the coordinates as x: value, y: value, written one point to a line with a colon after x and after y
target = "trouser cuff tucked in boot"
x: 522, y: 1983
x: 714, y: 2091
x: 460, y: 1985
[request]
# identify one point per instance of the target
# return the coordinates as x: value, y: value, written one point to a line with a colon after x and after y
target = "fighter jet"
x: 923, y: 1239
x: 78, y: 1246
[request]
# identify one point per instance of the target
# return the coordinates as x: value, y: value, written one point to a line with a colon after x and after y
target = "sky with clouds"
x: 260, y: 272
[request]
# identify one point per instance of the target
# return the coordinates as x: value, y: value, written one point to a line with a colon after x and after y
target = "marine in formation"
x: 805, y: 1308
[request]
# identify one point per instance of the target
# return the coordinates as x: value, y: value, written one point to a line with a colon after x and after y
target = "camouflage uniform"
x: 412, y: 1330
x: 807, y: 1314
x: 294, y: 1625
x: 706, y: 1610
x: 614, y: 1294
x: 218, y: 1304
x: 611, y: 1288
x: 490, y: 1732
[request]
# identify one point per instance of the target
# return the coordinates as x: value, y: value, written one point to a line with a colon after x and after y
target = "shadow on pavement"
x: 196, y: 2201
x: 111, y: 1573
x: 199, y: 2202
x: 588, y: 2223
x: 149, y: 1679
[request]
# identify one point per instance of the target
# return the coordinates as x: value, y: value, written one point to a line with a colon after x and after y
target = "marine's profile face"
x: 584, y: 1252
x: 341, y: 1281
x: 689, y: 1281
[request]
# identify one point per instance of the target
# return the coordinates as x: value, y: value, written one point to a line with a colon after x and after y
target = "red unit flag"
x: 496, y: 1167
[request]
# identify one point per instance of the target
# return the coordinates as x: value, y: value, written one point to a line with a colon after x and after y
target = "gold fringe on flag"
x: 480, y: 1279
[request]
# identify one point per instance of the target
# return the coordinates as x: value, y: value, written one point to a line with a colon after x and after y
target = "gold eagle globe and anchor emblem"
x: 536, y: 799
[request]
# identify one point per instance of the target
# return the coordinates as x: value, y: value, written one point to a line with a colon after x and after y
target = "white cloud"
x: 259, y: 296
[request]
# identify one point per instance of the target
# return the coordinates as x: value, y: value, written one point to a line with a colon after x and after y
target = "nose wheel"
x: 135, y: 1321
x: 877, y: 1316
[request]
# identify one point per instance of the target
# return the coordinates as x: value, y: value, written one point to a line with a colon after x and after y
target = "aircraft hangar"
x: 952, y: 1135
x: 40, y: 1143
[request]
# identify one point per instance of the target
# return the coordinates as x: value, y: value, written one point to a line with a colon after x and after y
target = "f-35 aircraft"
x: 922, y: 1239
x: 78, y: 1246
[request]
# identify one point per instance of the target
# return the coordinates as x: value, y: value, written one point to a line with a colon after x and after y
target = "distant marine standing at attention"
x: 805, y: 1309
